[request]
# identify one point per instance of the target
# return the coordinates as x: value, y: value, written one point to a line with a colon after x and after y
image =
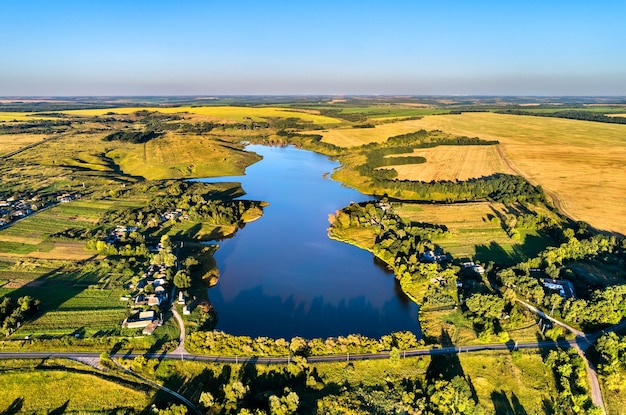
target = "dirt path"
x: 557, y: 200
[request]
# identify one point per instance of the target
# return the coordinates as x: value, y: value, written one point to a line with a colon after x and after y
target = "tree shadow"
x: 444, y: 366
x: 193, y: 231
x: 518, y: 408
x: 501, y: 403
x: 505, y: 406
x: 14, y: 407
x: 493, y: 252
x: 60, y: 410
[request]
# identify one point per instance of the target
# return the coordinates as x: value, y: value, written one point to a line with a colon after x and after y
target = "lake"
x: 282, y: 276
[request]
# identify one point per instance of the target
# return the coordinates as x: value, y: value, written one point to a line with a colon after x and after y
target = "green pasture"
x: 59, y: 386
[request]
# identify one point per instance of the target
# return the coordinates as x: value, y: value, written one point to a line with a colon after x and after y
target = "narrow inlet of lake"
x: 282, y: 276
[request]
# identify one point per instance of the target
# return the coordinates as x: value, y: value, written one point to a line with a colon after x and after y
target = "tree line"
x: 612, y: 367
x: 498, y: 187
x: 570, y: 114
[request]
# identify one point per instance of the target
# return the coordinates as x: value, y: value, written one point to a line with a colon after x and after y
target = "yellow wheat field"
x: 12, y: 142
x: 350, y: 137
x: 582, y: 164
x: 227, y: 113
x: 454, y: 162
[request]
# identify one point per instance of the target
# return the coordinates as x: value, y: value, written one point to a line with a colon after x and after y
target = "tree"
x: 207, y: 400
x: 486, y: 306
x: 172, y: 410
x: 182, y: 279
x: 166, y: 243
x: 454, y: 397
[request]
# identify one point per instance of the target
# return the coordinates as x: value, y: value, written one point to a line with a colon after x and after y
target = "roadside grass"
x: 581, y: 161
x: 45, y: 386
x: 453, y: 163
x: 510, y: 382
x: 614, y: 399
x: 373, y: 372
x: 450, y: 323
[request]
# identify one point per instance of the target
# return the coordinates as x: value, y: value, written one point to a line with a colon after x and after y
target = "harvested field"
x: 350, y: 137
x: 454, y: 163
x: 580, y: 163
x: 73, y: 251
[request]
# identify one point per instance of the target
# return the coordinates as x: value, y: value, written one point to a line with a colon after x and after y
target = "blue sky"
x: 324, y: 47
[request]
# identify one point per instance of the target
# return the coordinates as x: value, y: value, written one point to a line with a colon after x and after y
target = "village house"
x: 478, y: 269
x: 563, y: 287
x: 432, y: 256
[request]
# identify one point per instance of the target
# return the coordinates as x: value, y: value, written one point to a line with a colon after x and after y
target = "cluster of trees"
x: 426, y: 139
x: 34, y: 126
x: 207, y: 126
x: 528, y: 221
x: 196, y: 205
x: 612, y: 368
x: 498, y: 187
x: 134, y: 137
x: 106, y: 248
x: 348, y: 116
x: 377, y: 158
x: 570, y: 114
x: 13, y: 313
x: 220, y: 343
x: 605, y: 307
x: 571, y: 378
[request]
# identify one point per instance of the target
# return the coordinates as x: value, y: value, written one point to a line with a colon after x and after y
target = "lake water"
x: 282, y: 276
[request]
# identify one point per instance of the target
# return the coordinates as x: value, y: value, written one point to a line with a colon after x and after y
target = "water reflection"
x: 281, y: 276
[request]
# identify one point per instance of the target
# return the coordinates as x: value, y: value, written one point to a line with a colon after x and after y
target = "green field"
x: 59, y: 386
x: 474, y: 233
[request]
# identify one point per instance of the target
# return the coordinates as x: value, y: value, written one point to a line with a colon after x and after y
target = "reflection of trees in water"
x: 287, y: 317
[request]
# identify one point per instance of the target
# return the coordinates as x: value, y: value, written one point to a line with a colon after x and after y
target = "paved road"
x: 180, y: 350
x: 576, y: 343
x: 286, y: 359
